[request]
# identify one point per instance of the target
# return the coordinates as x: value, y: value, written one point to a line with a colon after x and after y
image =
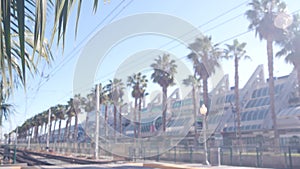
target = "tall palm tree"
x: 237, y: 52
x: 45, y: 120
x: 116, y: 87
x: 205, y: 58
x: 88, y: 108
x: 261, y: 17
x: 38, y: 122
x: 290, y: 47
x: 70, y: 113
x: 164, y: 71
x: 78, y: 103
x: 106, y: 102
x: 138, y: 82
x: 52, y: 118
x: 60, y: 115
x: 195, y: 83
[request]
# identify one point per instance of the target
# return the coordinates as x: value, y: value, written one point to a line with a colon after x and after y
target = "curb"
x: 170, y: 166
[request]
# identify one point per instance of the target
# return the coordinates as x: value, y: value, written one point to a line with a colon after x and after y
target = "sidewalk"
x: 166, y: 165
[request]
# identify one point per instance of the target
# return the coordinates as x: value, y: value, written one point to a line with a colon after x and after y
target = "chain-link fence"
x: 287, y: 157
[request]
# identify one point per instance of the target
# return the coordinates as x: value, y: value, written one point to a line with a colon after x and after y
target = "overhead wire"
x: 69, y: 56
x: 185, y: 34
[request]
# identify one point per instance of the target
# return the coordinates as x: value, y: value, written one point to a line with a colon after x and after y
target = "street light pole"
x: 203, y: 111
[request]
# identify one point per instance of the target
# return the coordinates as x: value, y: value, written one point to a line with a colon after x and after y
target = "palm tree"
x: 77, y: 104
x: 60, y: 115
x: 138, y: 82
x: 164, y: 71
x: 205, y: 58
x: 105, y: 101
x: 52, y: 118
x: 290, y: 47
x: 38, y: 123
x: 237, y: 52
x: 14, y: 31
x: 45, y: 120
x: 261, y: 17
x: 70, y: 113
x: 116, y: 87
x: 195, y: 83
x: 89, y: 107
x: 6, y: 110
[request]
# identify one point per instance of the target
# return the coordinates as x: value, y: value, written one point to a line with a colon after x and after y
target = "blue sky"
x: 54, y: 84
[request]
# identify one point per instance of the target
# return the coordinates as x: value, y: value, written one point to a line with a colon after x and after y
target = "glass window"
x: 251, y: 103
x: 244, y: 116
x: 255, y: 103
x: 248, y: 118
x: 266, y: 112
x: 255, y: 114
x: 248, y: 104
x: 254, y: 94
x: 278, y: 88
x: 265, y: 91
x: 258, y: 126
x: 242, y: 127
x: 259, y: 93
x: 261, y: 114
x: 248, y: 127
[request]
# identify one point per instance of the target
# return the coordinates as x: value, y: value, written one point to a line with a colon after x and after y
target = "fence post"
x: 219, y: 156
x: 157, y: 153
x: 222, y: 154
x: 257, y: 157
x: 290, y: 158
x: 15, y: 154
x: 175, y: 154
x: 191, y: 154
x: 230, y: 148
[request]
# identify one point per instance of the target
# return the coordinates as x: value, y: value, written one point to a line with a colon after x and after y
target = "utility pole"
x: 98, y: 86
x: 48, y: 127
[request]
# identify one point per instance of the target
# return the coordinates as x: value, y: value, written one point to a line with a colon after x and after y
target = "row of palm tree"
x: 164, y: 70
x: 205, y: 55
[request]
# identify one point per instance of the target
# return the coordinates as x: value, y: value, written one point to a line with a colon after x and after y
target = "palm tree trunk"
x: 70, y: 125
x: 59, y: 128
x: 205, y: 98
x: 41, y: 129
x: 195, y: 114
x: 76, y: 127
x: 164, y: 106
x: 205, y: 91
x: 36, y: 132
x: 271, y: 90
x: 139, y: 117
x: 45, y: 128
x: 237, y: 98
x: 86, y: 126
x: 115, y: 119
x: 53, y: 132
x: 105, y: 120
x: 120, y: 119
x: 134, y: 115
x: 298, y: 79
x: 66, y: 130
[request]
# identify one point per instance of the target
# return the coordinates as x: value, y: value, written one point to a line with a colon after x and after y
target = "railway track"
x: 37, y: 159
x: 71, y: 160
